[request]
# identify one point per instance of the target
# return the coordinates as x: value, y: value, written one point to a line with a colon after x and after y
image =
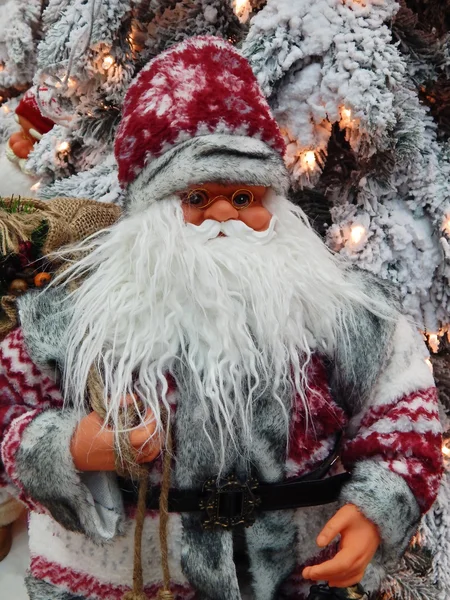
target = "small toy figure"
x: 33, y: 126
x: 205, y: 368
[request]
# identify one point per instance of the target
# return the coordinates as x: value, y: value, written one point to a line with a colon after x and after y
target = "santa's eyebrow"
x: 220, y: 152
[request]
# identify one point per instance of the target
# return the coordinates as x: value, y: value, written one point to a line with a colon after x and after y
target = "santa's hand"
x: 145, y: 441
x: 359, y: 542
x: 92, y: 445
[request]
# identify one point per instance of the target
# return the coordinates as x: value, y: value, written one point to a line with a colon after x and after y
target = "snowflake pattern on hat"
x: 199, y: 87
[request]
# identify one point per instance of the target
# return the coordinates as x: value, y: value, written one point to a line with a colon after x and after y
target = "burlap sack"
x: 69, y: 220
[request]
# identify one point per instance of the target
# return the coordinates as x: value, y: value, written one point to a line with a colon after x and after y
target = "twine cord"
x: 165, y: 593
x: 126, y: 465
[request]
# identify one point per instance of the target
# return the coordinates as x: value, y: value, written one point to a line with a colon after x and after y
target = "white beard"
x: 233, y: 310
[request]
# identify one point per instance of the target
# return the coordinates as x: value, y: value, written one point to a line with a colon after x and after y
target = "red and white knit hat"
x: 196, y: 114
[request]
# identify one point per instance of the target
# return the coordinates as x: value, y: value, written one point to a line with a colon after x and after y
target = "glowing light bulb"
x: 5, y: 109
x: 347, y: 113
x: 71, y: 82
x: 242, y: 9
x: 108, y: 62
x: 433, y: 341
x: 63, y: 147
x: 429, y: 363
x: 36, y: 186
x: 446, y: 225
x: 308, y: 160
x: 445, y: 450
x: 357, y: 233
x: 346, y: 117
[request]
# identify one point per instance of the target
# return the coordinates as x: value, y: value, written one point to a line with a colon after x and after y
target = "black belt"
x: 231, y: 502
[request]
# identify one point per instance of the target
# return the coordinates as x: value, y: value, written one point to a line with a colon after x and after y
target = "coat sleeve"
x: 394, y: 444
x: 36, y: 463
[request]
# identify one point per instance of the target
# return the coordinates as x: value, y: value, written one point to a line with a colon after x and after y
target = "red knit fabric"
x: 313, y: 430
x: 404, y: 436
x: 198, y: 87
x: 24, y: 393
x: 81, y: 583
x: 23, y: 388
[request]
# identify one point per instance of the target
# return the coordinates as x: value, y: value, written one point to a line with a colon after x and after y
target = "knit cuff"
x: 385, y: 499
x: 40, y: 464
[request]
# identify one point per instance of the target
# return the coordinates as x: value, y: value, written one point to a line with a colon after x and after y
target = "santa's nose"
x: 221, y: 210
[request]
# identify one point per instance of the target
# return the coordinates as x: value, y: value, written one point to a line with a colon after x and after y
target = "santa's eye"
x: 198, y: 198
x: 242, y: 198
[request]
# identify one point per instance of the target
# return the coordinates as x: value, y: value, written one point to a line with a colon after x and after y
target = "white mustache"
x: 211, y: 229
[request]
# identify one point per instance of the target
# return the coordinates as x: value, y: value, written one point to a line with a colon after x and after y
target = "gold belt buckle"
x: 229, y: 503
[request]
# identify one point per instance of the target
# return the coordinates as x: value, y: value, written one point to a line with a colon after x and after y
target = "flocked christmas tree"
x: 361, y: 89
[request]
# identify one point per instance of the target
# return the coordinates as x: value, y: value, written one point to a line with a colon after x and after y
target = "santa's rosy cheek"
x: 256, y: 217
x: 193, y: 215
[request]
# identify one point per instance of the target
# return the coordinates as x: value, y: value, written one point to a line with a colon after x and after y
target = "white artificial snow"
x: 19, y: 34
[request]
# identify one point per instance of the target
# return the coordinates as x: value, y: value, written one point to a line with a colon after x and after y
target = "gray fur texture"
x: 363, y: 351
x: 218, y: 157
x: 207, y: 556
x: 44, y: 317
x: 41, y: 590
x: 271, y: 542
x: 386, y: 500
x: 93, y: 505
x: 207, y: 561
x: 273, y: 536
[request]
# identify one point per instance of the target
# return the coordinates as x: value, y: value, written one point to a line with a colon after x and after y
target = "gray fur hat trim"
x: 217, y: 158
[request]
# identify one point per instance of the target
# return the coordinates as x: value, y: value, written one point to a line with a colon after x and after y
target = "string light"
x: 63, y: 147
x: 446, y: 225
x: 108, y: 62
x: 308, y: 160
x: 36, y: 186
x: 347, y: 113
x: 71, y: 82
x: 356, y: 234
x: 346, y: 117
x: 5, y: 109
x: 445, y: 450
x: 429, y: 363
x: 242, y: 9
x: 433, y: 341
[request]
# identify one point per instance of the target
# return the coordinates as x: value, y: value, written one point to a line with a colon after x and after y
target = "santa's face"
x: 222, y: 203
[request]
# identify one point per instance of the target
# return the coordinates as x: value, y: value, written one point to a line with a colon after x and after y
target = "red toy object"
x: 33, y: 126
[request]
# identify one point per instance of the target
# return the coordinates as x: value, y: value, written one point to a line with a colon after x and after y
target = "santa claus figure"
x: 33, y: 125
x: 285, y: 413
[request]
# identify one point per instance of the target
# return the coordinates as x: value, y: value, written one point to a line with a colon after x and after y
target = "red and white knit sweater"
x: 395, y: 444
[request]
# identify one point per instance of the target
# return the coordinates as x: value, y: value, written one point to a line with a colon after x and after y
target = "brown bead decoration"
x: 18, y: 287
